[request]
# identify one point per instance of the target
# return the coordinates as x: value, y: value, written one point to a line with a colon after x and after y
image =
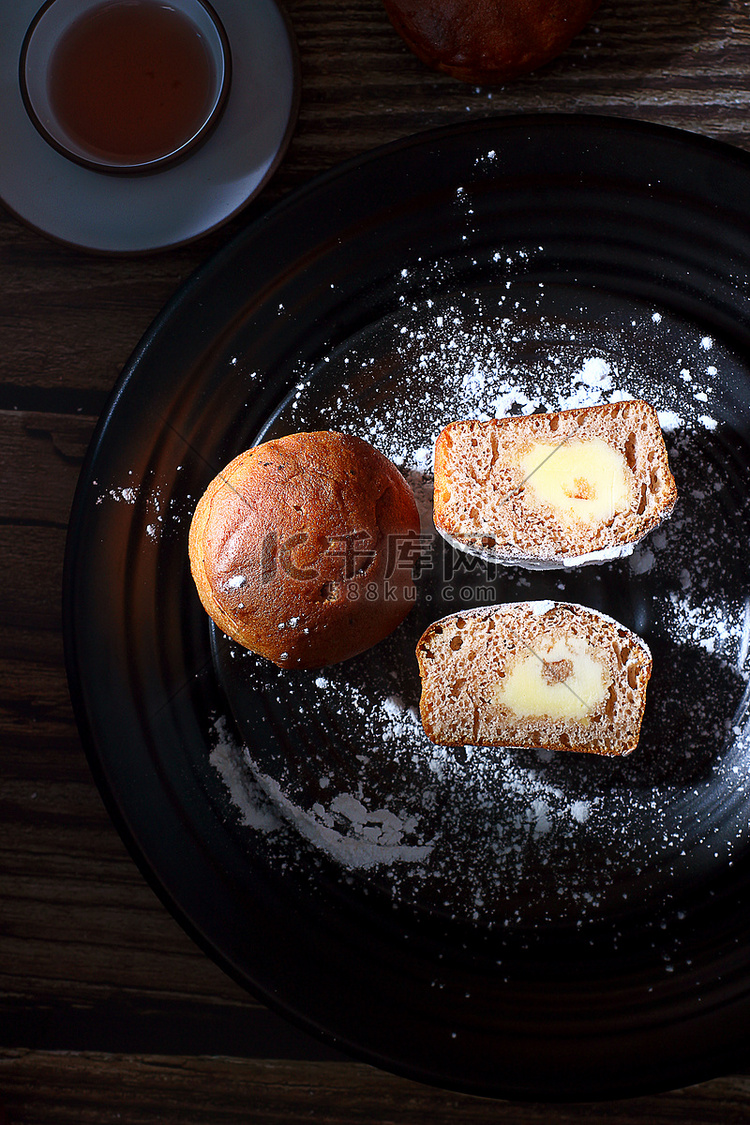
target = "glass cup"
x: 125, y: 86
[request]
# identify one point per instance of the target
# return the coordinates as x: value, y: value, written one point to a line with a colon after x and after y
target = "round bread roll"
x: 303, y: 548
x: 488, y: 41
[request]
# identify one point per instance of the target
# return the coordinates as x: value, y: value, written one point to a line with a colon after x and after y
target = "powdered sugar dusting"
x: 499, y: 837
x: 338, y: 766
x: 161, y: 513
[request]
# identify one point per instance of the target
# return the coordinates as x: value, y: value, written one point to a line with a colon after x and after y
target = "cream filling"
x: 558, y: 681
x: 581, y: 480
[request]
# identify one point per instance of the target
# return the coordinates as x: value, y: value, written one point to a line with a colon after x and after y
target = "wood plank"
x: 33, y: 566
x: 42, y: 455
x: 34, y: 699
x: 129, y: 1021
x: 78, y: 1089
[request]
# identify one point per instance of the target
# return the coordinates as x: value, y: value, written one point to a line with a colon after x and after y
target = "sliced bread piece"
x: 533, y: 674
x: 553, y: 490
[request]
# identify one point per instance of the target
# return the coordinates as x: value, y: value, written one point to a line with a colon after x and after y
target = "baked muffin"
x: 553, y: 490
x: 488, y: 41
x: 531, y: 674
x: 303, y: 548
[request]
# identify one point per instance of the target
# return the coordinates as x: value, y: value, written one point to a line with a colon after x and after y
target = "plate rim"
x: 200, y: 277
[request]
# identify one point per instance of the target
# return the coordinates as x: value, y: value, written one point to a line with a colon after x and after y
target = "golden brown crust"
x: 488, y: 41
x: 298, y: 549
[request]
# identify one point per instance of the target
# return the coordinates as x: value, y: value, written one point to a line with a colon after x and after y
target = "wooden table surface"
x: 109, y: 1012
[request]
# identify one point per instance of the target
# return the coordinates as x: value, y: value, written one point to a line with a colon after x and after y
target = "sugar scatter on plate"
x: 507, y: 837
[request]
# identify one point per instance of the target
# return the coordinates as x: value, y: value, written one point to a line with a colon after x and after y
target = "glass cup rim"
x: 221, y: 52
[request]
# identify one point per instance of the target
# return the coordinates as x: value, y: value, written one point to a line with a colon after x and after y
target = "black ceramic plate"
x: 507, y: 923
